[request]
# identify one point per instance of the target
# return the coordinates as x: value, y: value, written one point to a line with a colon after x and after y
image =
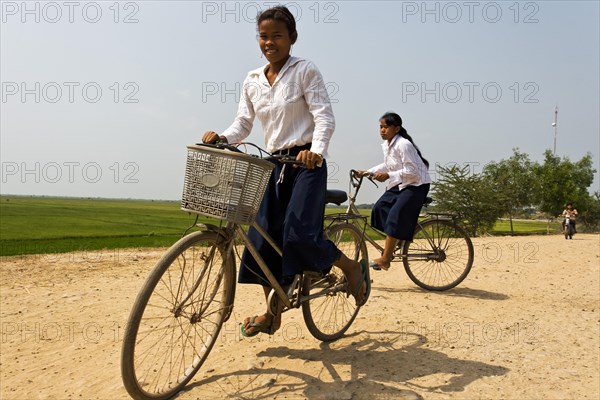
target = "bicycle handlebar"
x: 356, y: 178
x: 284, y: 159
x: 220, y: 144
x: 274, y: 158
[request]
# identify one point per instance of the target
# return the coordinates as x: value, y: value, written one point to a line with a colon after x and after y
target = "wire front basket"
x: 224, y: 184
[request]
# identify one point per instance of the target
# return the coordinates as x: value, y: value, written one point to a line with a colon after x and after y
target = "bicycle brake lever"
x: 355, y: 178
x: 370, y: 177
x: 284, y: 159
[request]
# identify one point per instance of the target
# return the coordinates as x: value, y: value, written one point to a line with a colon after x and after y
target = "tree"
x: 469, y: 195
x: 562, y: 181
x: 589, y: 216
x: 514, y: 183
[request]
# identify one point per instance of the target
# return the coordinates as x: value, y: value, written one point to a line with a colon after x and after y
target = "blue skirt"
x: 292, y: 213
x: 397, y: 211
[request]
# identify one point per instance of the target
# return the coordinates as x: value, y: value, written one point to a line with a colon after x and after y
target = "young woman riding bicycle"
x: 289, y: 97
x: 397, y: 210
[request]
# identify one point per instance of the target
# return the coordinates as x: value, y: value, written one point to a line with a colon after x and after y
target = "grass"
x: 37, y: 225
x: 501, y: 228
x: 526, y: 227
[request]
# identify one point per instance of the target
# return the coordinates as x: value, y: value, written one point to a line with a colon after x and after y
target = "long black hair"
x: 394, y: 119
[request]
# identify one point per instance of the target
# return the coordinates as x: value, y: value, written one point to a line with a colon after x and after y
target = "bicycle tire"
x: 440, y: 256
x: 167, y: 342
x: 329, y: 316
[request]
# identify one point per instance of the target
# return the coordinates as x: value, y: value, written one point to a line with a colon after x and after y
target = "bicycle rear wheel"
x: 440, y: 255
x: 329, y: 315
x: 177, y: 316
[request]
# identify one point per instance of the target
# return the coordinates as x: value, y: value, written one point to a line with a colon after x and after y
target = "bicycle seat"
x: 336, y: 197
x: 428, y: 201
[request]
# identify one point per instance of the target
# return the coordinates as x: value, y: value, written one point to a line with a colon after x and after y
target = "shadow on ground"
x: 455, y: 292
x: 351, y: 368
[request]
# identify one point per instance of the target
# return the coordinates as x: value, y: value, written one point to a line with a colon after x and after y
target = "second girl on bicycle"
x: 404, y: 167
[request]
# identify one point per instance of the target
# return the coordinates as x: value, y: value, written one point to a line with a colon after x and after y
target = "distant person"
x: 289, y: 97
x: 397, y: 211
x: 572, y: 213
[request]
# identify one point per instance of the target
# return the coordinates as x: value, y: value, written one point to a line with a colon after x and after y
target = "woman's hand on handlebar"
x: 364, y: 174
x: 380, y: 176
x: 309, y: 159
x: 358, y: 174
x: 212, y: 137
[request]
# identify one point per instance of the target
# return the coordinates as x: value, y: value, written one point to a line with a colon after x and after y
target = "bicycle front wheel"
x: 440, y: 255
x: 177, y: 316
x: 331, y: 312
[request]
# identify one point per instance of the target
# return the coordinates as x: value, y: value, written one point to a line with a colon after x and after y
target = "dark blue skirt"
x: 292, y: 213
x: 397, y: 211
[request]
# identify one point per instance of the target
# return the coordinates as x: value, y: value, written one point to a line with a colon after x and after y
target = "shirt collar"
x: 388, y: 145
x: 289, y: 63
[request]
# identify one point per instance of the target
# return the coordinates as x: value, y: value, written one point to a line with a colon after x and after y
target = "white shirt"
x: 293, y: 112
x: 403, y: 164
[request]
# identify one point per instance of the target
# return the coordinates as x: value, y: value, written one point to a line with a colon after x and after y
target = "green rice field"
x: 527, y: 227
x: 37, y: 225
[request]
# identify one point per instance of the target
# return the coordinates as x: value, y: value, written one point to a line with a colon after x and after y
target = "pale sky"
x: 100, y: 99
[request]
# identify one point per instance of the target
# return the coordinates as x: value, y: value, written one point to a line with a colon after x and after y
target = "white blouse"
x: 403, y: 164
x: 295, y: 111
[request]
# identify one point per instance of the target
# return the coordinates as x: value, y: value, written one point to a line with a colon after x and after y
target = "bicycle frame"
x: 233, y: 229
x: 261, y: 262
x: 229, y: 233
x: 352, y: 214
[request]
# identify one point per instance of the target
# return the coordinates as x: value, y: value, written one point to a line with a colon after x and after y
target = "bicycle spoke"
x: 180, y: 319
x: 440, y: 255
x: 331, y: 311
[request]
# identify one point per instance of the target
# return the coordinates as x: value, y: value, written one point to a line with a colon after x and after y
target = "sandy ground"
x: 523, y: 325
